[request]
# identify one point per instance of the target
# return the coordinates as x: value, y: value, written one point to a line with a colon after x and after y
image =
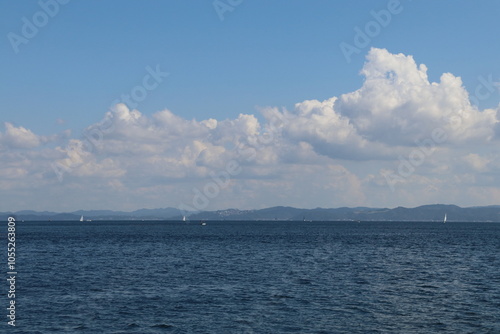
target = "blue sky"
x: 262, y: 54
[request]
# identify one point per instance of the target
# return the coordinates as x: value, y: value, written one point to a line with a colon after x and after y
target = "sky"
x: 205, y: 105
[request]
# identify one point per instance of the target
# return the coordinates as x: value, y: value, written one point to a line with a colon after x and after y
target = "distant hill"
x: 146, y: 214
x: 433, y: 212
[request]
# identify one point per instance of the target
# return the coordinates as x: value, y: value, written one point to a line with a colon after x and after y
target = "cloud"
x: 328, y: 132
x: 19, y: 137
x: 398, y: 104
x: 321, y: 153
x: 476, y: 161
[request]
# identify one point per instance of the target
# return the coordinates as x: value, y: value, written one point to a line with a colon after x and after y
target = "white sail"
x: 81, y: 218
x: 444, y: 220
x: 183, y: 218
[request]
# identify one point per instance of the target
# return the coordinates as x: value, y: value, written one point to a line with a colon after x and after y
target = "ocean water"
x: 256, y: 277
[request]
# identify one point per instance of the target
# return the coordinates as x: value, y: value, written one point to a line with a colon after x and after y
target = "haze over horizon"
x: 391, y: 103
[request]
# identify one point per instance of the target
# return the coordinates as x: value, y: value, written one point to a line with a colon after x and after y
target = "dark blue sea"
x: 256, y: 277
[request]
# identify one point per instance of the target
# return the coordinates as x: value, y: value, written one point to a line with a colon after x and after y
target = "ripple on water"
x: 259, y: 277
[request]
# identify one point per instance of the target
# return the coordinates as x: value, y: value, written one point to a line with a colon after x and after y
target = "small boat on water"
x: 81, y: 218
x: 183, y: 218
x: 203, y: 223
x: 444, y: 220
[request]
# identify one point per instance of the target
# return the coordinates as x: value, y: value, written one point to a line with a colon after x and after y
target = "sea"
x: 255, y: 277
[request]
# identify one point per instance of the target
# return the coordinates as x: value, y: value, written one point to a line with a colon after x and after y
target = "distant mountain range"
x: 422, y: 213
x: 434, y: 212
x: 145, y: 214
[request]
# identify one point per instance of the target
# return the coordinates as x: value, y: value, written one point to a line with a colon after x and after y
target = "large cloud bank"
x: 322, y: 153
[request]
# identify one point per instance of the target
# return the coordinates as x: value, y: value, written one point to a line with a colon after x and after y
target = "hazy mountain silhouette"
x: 433, y: 212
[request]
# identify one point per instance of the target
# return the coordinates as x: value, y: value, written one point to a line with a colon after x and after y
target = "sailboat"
x: 183, y: 218
x: 444, y: 220
x: 81, y: 218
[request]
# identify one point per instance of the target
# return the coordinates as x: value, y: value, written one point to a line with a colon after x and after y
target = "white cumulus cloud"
x: 398, y: 104
x: 330, y: 153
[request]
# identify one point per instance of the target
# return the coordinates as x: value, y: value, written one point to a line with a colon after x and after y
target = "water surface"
x: 257, y: 277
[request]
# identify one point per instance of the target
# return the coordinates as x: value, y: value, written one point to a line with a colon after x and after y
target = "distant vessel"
x: 183, y: 218
x: 81, y: 218
x: 444, y: 220
x: 203, y: 223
